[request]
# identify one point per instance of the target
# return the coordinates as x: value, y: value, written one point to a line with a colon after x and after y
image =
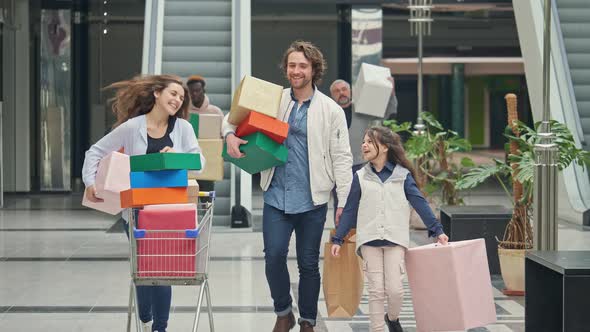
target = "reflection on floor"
x: 65, y: 268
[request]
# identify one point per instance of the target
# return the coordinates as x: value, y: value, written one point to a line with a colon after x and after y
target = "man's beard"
x: 344, y: 100
x: 303, y: 83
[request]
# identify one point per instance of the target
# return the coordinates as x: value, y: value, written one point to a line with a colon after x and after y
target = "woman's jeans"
x: 277, y: 228
x: 153, y: 302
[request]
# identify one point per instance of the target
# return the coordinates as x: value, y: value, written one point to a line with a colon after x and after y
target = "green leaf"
x: 442, y: 176
x: 525, y: 167
x: 417, y: 146
x: 459, y: 144
x: 398, y: 127
x: 431, y: 188
x: 467, y: 162
x: 479, y: 174
x: 430, y: 120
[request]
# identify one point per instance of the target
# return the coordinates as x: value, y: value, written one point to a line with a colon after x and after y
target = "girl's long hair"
x: 395, y: 153
x: 135, y: 97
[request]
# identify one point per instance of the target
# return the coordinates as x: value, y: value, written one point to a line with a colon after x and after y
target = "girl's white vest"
x: 384, y: 211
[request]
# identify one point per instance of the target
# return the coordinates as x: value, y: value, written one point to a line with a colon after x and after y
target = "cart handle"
x: 188, y: 233
x: 207, y: 194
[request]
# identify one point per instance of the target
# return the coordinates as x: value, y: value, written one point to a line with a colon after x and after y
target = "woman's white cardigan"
x: 132, y: 137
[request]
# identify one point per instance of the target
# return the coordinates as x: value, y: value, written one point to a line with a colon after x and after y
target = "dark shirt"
x: 156, y: 144
x: 413, y: 195
x: 348, y: 114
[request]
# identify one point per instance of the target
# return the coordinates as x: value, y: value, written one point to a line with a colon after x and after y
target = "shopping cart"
x: 174, y: 257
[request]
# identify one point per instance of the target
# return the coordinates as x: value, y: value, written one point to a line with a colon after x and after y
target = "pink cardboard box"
x: 451, y: 286
x: 187, y: 206
x: 112, y: 177
x: 166, y: 254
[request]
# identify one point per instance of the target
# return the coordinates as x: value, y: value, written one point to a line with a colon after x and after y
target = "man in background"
x: 200, y: 105
x: 358, y: 122
x: 199, y: 100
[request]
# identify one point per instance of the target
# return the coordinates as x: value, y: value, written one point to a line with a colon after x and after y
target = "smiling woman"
x: 151, y: 112
x: 139, y: 96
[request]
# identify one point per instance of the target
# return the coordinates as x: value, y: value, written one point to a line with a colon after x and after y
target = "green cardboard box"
x: 164, y: 161
x: 194, y: 120
x: 261, y: 153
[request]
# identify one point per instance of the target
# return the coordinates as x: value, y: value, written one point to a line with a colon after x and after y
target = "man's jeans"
x: 277, y: 229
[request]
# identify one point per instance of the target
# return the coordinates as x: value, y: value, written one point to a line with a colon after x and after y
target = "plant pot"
x: 512, y: 268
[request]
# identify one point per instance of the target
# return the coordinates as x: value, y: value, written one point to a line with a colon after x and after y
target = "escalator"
x: 569, y: 86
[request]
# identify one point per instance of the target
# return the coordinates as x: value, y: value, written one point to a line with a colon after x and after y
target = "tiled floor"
x: 63, y: 268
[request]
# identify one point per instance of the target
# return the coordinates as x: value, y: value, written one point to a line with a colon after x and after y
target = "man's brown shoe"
x: 305, y: 326
x: 284, y: 323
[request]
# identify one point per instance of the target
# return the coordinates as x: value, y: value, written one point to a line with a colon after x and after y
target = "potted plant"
x: 519, y: 166
x: 432, y: 154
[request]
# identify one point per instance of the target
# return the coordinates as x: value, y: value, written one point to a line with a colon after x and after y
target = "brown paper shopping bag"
x: 342, y: 279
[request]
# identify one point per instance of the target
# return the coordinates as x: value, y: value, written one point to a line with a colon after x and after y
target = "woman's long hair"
x: 395, y: 153
x: 135, y: 97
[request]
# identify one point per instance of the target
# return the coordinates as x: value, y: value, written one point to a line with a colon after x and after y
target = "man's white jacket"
x: 330, y: 159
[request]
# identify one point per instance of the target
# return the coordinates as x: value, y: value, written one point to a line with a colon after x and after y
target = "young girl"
x: 380, y: 199
x: 150, y: 118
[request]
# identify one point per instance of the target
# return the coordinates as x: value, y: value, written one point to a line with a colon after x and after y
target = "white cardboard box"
x: 372, y: 90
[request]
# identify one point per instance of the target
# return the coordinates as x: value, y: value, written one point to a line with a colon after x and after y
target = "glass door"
x: 55, y: 99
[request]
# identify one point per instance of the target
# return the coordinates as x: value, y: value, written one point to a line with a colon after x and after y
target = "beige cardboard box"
x: 372, y: 90
x: 254, y: 94
x: 210, y: 126
x: 193, y: 191
x: 213, y: 171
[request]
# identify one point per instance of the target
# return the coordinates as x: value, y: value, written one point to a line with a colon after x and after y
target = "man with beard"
x: 358, y: 122
x: 340, y: 92
x: 296, y: 194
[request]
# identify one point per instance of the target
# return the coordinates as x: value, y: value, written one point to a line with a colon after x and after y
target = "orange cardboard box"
x: 139, y: 197
x: 277, y: 130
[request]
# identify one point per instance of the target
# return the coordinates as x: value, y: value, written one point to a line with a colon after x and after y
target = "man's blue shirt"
x: 290, y: 189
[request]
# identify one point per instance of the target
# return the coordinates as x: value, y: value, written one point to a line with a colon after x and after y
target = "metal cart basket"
x: 175, y: 257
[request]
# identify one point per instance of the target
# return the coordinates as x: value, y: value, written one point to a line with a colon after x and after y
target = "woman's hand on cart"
x: 167, y: 149
x: 91, y: 194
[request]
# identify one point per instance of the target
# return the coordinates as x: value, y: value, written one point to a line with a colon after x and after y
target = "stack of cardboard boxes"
x: 159, y: 178
x: 158, y: 183
x: 254, y: 110
x: 207, y: 128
